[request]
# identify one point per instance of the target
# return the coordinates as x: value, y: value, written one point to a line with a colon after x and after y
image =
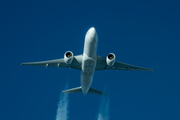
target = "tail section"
x: 73, y: 90
x: 79, y: 90
x: 94, y: 91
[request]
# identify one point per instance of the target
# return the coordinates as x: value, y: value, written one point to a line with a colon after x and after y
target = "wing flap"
x: 76, y: 63
x: 123, y: 66
x: 101, y: 65
x: 50, y: 63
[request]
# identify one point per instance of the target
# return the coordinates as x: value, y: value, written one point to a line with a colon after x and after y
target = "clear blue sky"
x: 142, y: 33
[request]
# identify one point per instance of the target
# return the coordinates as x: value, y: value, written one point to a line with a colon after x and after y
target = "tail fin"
x: 79, y: 90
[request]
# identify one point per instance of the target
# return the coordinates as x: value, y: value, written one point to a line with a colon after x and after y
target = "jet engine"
x: 68, y: 57
x: 110, y: 59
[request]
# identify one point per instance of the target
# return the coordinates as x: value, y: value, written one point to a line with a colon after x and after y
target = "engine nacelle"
x: 110, y: 59
x: 68, y: 57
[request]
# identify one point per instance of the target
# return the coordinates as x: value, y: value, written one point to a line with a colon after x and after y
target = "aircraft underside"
x: 88, y: 63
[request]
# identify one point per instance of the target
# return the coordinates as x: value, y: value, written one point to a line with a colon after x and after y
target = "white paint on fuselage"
x: 89, y: 59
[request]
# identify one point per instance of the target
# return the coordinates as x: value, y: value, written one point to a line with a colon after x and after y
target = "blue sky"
x: 142, y: 33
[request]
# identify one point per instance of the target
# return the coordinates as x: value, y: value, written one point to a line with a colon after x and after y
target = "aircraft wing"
x: 101, y: 65
x: 76, y: 63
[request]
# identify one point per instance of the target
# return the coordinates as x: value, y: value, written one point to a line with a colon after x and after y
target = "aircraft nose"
x: 92, y: 32
x: 92, y: 29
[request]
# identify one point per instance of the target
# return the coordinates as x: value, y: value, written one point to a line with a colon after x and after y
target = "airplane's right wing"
x: 101, y: 65
x: 76, y: 63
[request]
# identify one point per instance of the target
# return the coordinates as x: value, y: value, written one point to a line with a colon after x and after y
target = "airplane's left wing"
x: 101, y: 65
x: 76, y: 63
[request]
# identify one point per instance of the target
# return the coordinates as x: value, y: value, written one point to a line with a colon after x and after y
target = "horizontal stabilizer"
x: 73, y: 90
x: 79, y: 90
x: 94, y: 91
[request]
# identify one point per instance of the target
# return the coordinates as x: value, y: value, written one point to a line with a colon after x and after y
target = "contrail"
x: 62, y: 111
x: 104, y: 109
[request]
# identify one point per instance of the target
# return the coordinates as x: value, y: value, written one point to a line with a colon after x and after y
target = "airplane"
x: 88, y: 63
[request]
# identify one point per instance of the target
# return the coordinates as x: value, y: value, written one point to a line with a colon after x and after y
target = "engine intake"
x: 110, y: 59
x: 68, y: 57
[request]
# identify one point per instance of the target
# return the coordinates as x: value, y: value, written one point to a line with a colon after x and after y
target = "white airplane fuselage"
x: 89, y: 59
x: 87, y: 63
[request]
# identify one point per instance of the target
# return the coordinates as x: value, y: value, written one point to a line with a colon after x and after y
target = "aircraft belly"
x: 90, y: 45
x: 88, y: 65
x: 86, y: 81
x: 89, y: 60
x: 90, y: 48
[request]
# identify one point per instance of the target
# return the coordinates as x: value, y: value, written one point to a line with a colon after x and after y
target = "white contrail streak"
x: 104, y: 109
x: 62, y: 111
